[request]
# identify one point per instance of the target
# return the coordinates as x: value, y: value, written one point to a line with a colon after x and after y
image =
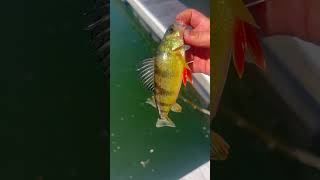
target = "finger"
x: 201, y: 66
x: 274, y: 19
x: 197, y: 38
x: 190, y: 17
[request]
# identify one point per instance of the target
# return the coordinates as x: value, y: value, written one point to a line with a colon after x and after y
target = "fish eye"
x: 170, y: 29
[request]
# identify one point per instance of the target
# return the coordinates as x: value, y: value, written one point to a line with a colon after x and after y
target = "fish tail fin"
x: 246, y: 40
x: 165, y: 121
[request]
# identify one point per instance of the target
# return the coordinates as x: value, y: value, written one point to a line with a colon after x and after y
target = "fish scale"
x: 169, y: 86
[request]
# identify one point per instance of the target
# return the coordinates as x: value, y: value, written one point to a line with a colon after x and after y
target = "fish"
x: 234, y: 34
x: 219, y: 149
x: 164, y: 74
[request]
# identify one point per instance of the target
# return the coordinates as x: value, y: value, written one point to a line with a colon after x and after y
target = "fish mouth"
x: 181, y: 26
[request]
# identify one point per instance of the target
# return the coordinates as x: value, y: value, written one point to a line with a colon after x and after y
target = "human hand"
x: 289, y: 17
x: 198, y: 56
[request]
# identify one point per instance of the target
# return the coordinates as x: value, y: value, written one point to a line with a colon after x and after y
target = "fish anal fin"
x: 176, y: 107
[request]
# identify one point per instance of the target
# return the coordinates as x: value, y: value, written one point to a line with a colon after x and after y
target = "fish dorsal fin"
x: 146, y: 73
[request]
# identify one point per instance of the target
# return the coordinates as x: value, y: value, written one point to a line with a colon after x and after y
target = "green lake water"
x: 172, y: 152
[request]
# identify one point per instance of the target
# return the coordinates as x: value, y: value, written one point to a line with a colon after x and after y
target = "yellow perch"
x: 164, y: 73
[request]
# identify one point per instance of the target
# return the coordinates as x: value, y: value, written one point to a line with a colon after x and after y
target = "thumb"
x: 197, y: 38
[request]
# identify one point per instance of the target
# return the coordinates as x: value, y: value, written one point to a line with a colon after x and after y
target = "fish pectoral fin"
x: 189, y: 76
x: 219, y: 148
x: 146, y: 73
x: 246, y: 40
x: 186, y: 76
x: 151, y: 101
x: 176, y: 107
x: 164, y: 121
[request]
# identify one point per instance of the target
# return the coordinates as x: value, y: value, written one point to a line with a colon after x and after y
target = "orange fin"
x: 239, y: 47
x: 189, y: 76
x: 186, y: 76
x: 246, y: 40
x: 254, y: 46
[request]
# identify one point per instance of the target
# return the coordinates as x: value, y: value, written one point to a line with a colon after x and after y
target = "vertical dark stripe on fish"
x: 162, y: 73
x: 164, y: 111
x: 161, y: 91
x: 164, y: 104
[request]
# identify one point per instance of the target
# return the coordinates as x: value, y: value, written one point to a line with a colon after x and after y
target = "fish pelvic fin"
x: 151, y: 101
x: 246, y: 40
x: 165, y: 121
x: 176, y: 107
